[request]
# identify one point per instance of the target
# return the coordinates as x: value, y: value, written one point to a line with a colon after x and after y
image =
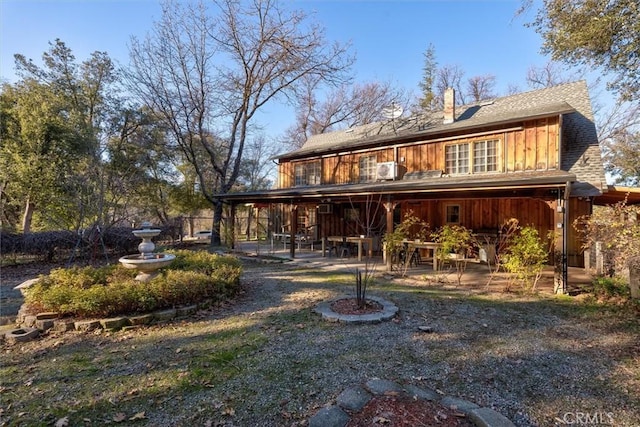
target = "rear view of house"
x: 533, y: 156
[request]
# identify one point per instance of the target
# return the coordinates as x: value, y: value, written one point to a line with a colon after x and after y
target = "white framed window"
x: 452, y: 214
x: 475, y: 157
x: 457, y: 158
x: 368, y: 168
x: 307, y: 174
x: 485, y: 156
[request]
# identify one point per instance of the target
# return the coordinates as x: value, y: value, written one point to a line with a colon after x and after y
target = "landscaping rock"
x: 422, y: 393
x: 114, y: 324
x: 21, y: 335
x: 47, y: 316
x: 163, y: 316
x: 461, y: 405
x: 44, y: 324
x: 378, y: 386
x: 63, y: 325
x: 487, y: 417
x: 353, y: 398
x: 29, y: 321
x: 86, y: 325
x: 144, y: 319
x: 332, y: 416
x: 186, y: 311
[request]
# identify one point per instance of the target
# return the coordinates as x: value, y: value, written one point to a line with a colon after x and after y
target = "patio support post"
x: 233, y: 226
x: 293, y: 231
x: 389, y: 206
x: 565, y: 240
x: 561, y: 275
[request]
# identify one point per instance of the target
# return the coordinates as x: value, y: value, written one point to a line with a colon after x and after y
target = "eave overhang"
x: 617, y: 194
x: 409, y: 189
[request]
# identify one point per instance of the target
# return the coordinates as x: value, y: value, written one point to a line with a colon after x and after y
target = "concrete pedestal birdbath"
x: 147, y: 262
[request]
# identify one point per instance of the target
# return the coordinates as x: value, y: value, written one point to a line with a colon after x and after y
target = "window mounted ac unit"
x: 386, y: 170
x: 325, y: 209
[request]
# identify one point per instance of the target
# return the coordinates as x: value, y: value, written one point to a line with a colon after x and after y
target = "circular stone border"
x: 389, y: 310
x: 354, y: 399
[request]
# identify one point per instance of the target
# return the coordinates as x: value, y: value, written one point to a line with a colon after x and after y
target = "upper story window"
x: 457, y: 158
x: 307, y: 173
x: 485, y: 156
x: 368, y: 168
x: 476, y: 157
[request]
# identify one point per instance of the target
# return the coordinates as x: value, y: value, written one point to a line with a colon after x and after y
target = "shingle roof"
x: 580, y: 150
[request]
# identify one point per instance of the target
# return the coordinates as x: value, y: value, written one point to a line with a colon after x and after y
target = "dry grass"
x: 266, y: 359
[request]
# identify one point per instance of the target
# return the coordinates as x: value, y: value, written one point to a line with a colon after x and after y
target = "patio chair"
x: 415, y: 258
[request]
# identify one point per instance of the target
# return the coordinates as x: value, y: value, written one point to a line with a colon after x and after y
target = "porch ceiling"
x: 502, y: 185
x: 616, y: 194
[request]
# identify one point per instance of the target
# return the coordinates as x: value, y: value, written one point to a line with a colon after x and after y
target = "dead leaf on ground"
x: 119, y: 417
x: 381, y: 420
x: 62, y: 422
x: 229, y: 411
x: 138, y: 416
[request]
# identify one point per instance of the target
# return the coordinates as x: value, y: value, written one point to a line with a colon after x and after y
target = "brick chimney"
x: 449, y: 105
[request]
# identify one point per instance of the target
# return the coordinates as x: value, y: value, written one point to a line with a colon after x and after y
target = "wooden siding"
x: 486, y: 215
x: 578, y: 207
x: 482, y: 215
x: 534, y: 147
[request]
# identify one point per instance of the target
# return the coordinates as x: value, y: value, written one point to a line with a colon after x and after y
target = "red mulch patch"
x: 404, y: 411
x: 350, y: 306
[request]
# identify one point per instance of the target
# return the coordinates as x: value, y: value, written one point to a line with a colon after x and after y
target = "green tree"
x: 600, y: 33
x: 38, y: 147
x: 429, y: 72
x: 59, y: 119
x: 622, y: 156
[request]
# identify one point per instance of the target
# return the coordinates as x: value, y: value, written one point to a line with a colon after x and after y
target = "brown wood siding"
x: 553, y: 139
x: 285, y: 179
x: 577, y: 208
x: 487, y: 215
x: 535, y: 147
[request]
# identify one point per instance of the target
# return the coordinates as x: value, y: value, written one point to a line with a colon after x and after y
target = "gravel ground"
x: 266, y: 359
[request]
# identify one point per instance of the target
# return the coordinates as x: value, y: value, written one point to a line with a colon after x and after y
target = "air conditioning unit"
x: 325, y: 209
x: 386, y: 170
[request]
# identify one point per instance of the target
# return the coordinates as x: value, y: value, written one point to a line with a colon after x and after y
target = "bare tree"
x: 550, y: 74
x: 344, y: 107
x: 480, y: 88
x: 207, y: 76
x: 449, y: 76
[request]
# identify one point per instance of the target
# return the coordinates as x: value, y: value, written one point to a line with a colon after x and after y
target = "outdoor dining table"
x: 430, y: 246
x: 360, y: 240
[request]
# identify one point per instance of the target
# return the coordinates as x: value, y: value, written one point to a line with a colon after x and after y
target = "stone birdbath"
x: 147, y: 262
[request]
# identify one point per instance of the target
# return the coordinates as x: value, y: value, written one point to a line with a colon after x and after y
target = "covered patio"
x: 476, y: 277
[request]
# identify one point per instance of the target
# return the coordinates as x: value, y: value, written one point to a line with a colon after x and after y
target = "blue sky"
x: 388, y: 37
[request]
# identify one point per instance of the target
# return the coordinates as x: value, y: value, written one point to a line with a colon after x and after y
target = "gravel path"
x: 268, y: 360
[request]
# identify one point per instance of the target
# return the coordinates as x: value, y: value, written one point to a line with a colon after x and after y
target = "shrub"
x: 410, y: 228
x: 455, y: 240
x: 609, y: 287
x: 526, y: 257
x: 112, y: 290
